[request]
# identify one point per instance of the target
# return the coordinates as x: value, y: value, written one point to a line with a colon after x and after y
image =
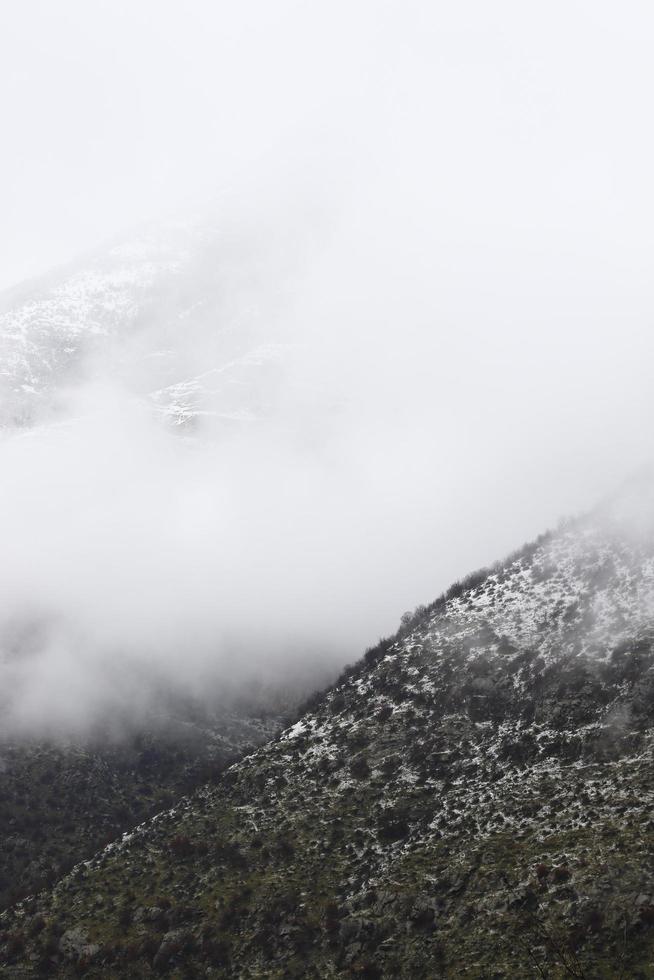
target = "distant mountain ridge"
x: 472, y: 799
x: 136, y: 312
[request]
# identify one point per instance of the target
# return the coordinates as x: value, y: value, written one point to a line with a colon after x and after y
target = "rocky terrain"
x: 472, y: 799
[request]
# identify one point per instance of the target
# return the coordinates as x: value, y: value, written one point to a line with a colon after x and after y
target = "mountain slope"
x: 170, y: 315
x: 62, y: 799
x: 473, y: 799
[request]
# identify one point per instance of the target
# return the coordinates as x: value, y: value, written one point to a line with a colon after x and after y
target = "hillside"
x: 169, y: 314
x: 61, y: 799
x: 472, y: 799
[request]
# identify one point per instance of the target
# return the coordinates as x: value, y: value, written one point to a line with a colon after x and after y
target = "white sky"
x: 521, y: 126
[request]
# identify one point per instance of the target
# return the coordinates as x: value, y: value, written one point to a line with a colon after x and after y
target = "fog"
x: 443, y: 220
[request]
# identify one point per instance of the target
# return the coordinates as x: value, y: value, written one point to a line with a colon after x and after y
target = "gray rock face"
x: 75, y: 944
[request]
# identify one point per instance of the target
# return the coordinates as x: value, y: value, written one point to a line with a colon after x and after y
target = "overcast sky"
x: 523, y: 128
x: 467, y: 189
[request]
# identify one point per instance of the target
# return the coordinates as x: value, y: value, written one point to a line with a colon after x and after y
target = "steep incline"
x: 473, y: 799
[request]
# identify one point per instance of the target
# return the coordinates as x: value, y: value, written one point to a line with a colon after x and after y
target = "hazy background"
x: 444, y: 215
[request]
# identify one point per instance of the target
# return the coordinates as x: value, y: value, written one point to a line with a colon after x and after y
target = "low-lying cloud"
x: 439, y: 220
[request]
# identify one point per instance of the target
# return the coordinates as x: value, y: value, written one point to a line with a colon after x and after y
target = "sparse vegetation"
x: 473, y: 799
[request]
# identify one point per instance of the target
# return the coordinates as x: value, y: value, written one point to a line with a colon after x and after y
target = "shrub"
x: 384, y: 713
x: 181, y: 846
x: 392, y: 825
x: 125, y: 916
x: 560, y: 874
x: 359, y: 767
x: 647, y: 915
